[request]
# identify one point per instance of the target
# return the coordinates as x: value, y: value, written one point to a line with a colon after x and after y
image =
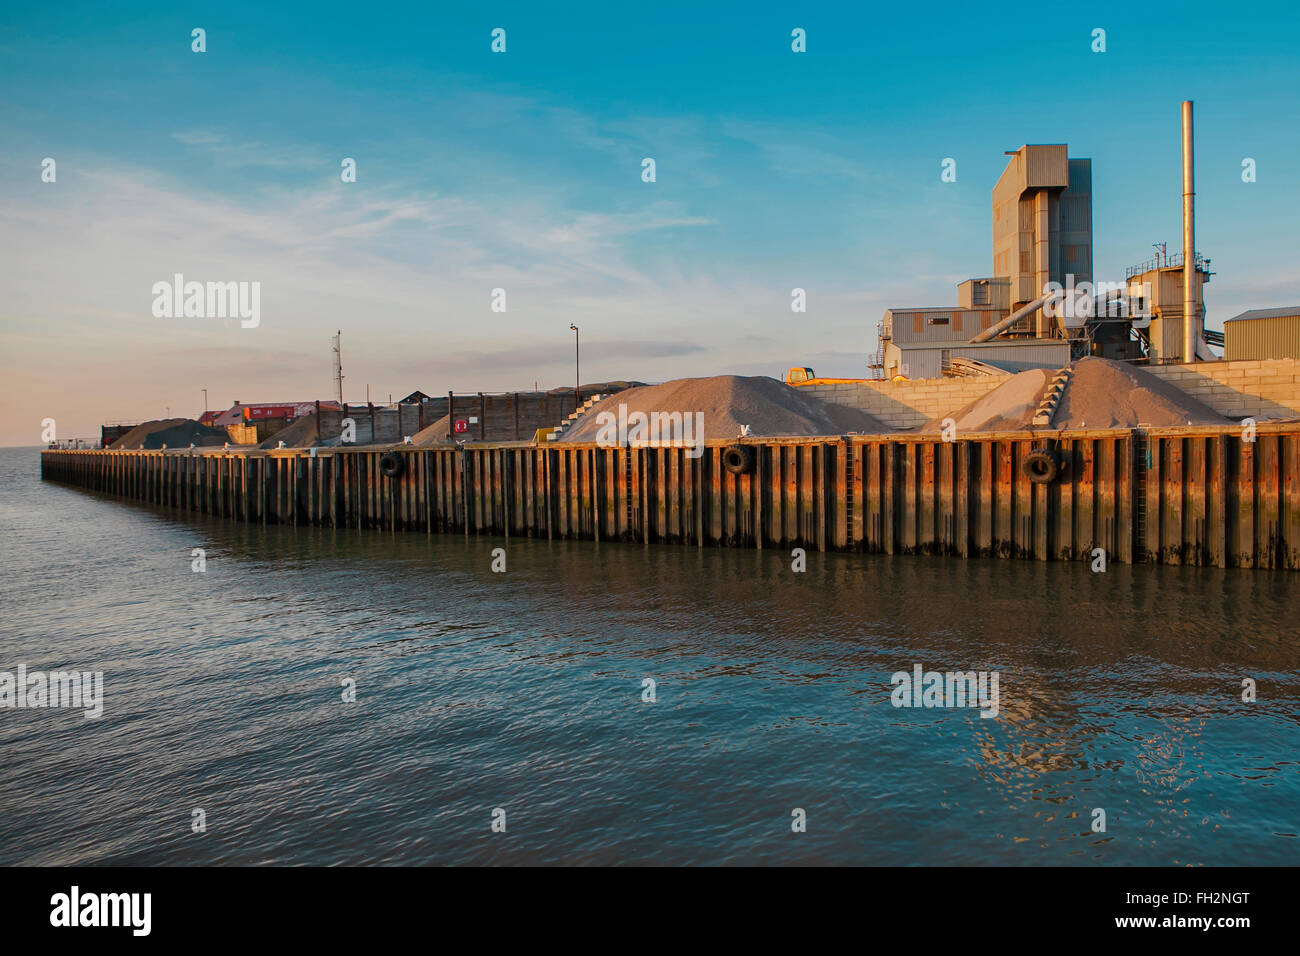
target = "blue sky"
x: 522, y: 170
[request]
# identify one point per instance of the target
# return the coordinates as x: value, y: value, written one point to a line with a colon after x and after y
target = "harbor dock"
x: 1204, y: 496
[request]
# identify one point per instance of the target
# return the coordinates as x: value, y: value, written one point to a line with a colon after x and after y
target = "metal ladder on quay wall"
x: 848, y: 495
x: 627, y: 486
x: 1141, y: 465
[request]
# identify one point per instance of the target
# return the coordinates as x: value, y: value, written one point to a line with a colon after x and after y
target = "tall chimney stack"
x: 1190, y: 313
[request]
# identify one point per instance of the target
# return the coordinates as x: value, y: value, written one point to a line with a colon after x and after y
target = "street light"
x: 205, y: 401
x: 577, y: 376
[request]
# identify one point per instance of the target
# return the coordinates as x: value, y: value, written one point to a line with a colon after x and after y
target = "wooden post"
x: 1268, y: 525
x: 1173, y: 537
x: 1290, y: 461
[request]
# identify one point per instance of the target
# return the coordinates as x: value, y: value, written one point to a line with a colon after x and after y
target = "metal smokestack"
x: 1190, y: 316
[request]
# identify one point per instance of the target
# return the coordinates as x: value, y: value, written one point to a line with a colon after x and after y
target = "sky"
x: 522, y: 171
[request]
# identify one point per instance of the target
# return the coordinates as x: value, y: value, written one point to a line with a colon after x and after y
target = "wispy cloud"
x: 407, y: 275
x: 232, y: 152
x: 198, y: 137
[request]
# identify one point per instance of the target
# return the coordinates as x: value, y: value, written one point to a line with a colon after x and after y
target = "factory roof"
x: 1267, y: 313
x: 930, y: 308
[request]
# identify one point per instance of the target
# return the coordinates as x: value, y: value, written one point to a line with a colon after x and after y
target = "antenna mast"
x: 338, y: 363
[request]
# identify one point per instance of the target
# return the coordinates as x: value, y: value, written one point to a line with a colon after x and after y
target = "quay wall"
x: 1198, y: 496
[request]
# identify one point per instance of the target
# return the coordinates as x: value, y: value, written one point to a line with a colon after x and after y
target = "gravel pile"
x: 300, y: 433
x: 1008, y: 407
x: 436, y: 434
x: 1101, y: 393
x: 172, y: 432
x: 1107, y: 394
x: 768, y: 407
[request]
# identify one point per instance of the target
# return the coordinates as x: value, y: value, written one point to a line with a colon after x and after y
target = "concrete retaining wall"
x: 1264, y: 388
x: 906, y: 404
x: 1267, y: 388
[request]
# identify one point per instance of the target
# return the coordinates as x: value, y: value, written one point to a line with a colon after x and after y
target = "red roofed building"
x: 263, y: 411
x: 270, y: 416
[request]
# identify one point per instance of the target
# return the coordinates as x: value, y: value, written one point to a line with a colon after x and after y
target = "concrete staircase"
x: 1052, y: 398
x: 574, y: 416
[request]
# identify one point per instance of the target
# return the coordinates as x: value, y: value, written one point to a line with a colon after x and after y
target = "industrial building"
x: 1042, y: 231
x: 1042, y: 257
x: 1159, y: 282
x: 923, y: 343
x: 1263, y: 334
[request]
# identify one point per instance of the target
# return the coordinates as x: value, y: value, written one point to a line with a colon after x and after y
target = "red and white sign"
x: 293, y: 410
x: 462, y: 425
x: 254, y: 412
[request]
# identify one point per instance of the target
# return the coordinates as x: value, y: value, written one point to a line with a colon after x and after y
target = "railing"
x: 1174, y: 261
x: 75, y: 444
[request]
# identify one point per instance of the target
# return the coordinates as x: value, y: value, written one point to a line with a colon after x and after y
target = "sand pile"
x: 767, y: 406
x: 1008, y: 407
x: 1107, y: 394
x: 172, y: 432
x: 1101, y: 394
x: 435, y: 434
x: 300, y: 433
x: 595, y: 388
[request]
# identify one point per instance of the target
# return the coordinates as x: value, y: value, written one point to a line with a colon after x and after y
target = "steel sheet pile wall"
x: 1176, y: 496
x: 1219, y: 499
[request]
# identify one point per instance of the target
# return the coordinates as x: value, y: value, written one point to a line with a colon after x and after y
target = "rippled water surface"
x: 523, y: 691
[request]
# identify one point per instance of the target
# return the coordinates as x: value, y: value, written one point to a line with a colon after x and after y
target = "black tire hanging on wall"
x: 391, y: 464
x: 1042, y: 465
x: 739, y: 459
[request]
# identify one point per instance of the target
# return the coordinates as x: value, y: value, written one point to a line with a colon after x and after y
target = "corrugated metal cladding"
x: 1076, y: 211
x: 926, y: 361
x: 1054, y: 354
x: 940, y: 325
x: 1262, y: 338
x: 1046, y: 166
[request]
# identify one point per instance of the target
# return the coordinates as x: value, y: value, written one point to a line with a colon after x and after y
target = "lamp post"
x: 205, y: 401
x: 577, y: 376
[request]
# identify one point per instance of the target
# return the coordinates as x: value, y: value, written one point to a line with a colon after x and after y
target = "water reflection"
x: 1118, y: 690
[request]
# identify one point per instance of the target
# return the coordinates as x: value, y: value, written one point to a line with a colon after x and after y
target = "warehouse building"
x: 1263, y: 334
